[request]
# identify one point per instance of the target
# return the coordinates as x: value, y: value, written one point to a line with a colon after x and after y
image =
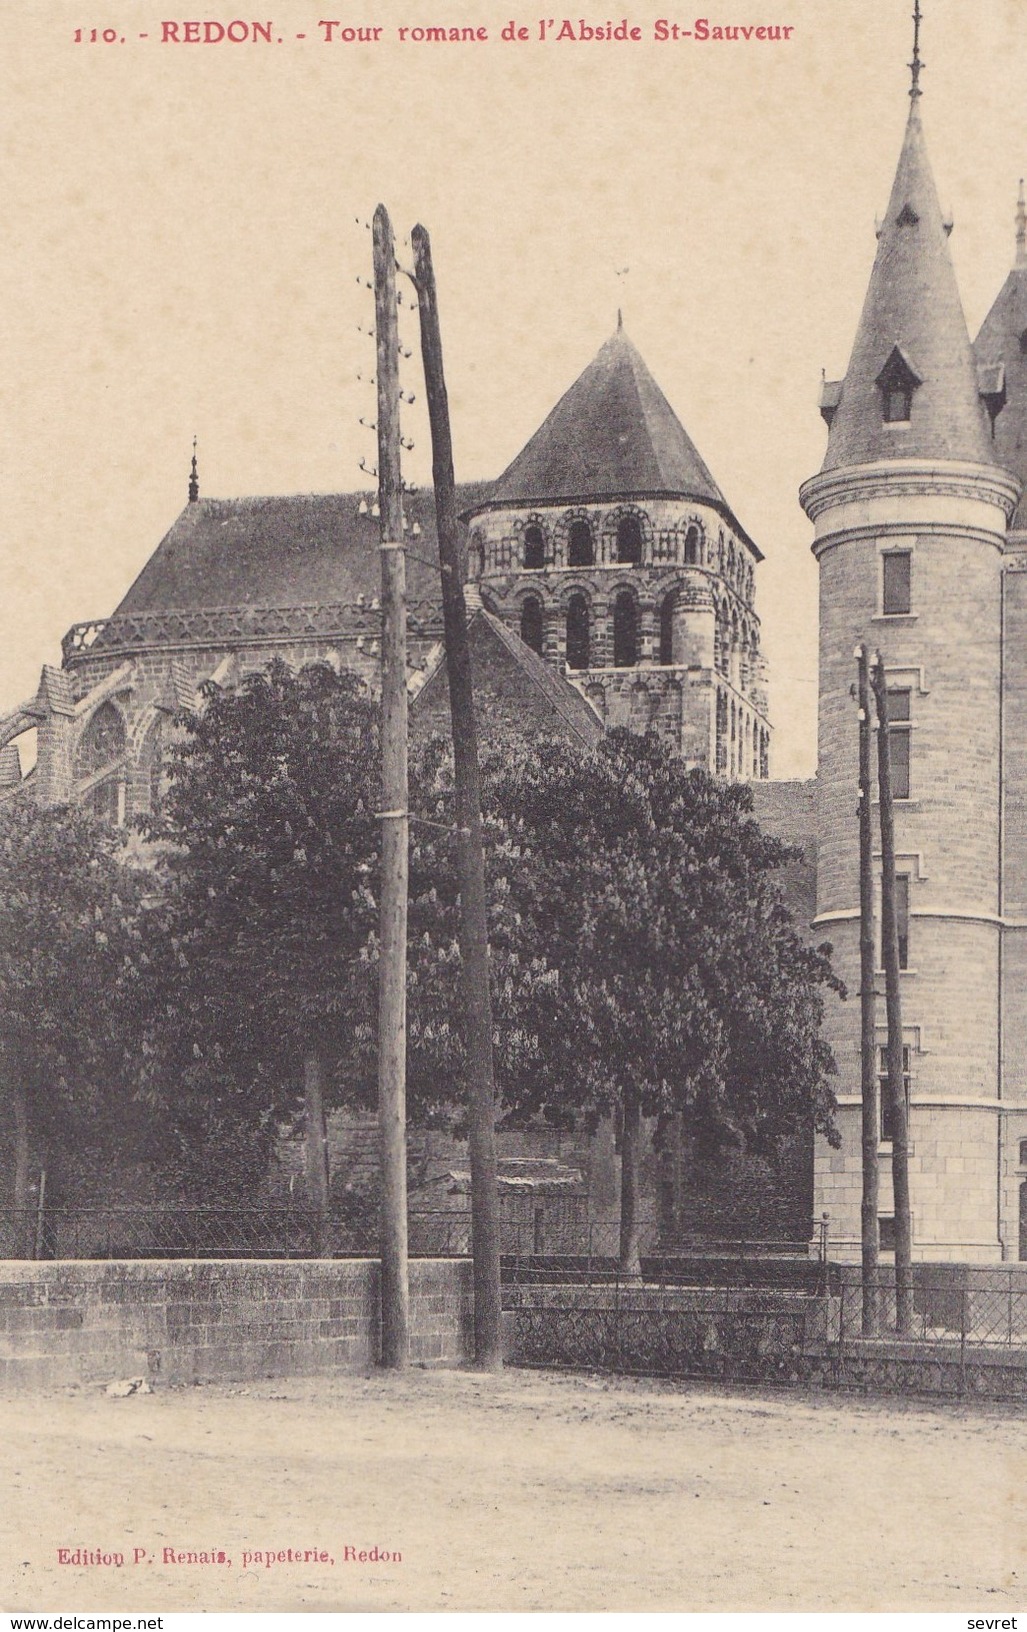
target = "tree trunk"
x: 316, y: 1149
x: 24, y: 1219
x: 630, y: 1255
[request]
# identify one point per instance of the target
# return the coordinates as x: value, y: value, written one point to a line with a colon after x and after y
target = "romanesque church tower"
x: 910, y: 510
x: 608, y: 546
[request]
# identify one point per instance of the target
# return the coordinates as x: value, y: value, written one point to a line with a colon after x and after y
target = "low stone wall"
x: 175, y: 1321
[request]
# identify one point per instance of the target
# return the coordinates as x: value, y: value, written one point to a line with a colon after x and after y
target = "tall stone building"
x: 920, y: 546
x: 610, y: 547
x: 611, y: 584
x: 614, y: 585
x: 606, y: 549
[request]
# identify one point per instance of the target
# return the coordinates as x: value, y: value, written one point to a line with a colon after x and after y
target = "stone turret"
x: 910, y: 509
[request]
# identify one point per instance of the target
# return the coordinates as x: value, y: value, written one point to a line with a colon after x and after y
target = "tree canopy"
x: 257, y: 950
x: 67, y: 926
x: 643, y: 949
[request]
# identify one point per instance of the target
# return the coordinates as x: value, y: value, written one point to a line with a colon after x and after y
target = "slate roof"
x: 999, y: 342
x: 560, y: 697
x: 613, y: 434
x: 913, y: 303
x: 299, y: 550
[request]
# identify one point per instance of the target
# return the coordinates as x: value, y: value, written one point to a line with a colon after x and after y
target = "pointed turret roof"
x: 612, y: 435
x: 1003, y: 341
x: 913, y: 319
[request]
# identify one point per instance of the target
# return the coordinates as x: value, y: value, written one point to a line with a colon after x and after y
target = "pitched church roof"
x: 1003, y: 340
x: 301, y: 550
x: 612, y: 435
x: 912, y: 307
x: 513, y: 685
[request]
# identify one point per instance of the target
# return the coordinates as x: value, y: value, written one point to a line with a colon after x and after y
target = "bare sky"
x: 182, y: 254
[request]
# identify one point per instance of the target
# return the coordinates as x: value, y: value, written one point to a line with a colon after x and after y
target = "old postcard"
x: 687, y: 265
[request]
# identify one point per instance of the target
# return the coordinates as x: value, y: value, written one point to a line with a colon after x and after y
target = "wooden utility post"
x: 474, y: 945
x: 392, y: 1015
x: 893, y: 1007
x: 316, y: 1149
x: 868, y: 1006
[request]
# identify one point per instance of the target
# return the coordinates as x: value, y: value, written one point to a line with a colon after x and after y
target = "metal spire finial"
x: 194, y: 478
x: 1021, y: 227
x: 916, y: 65
x: 620, y: 318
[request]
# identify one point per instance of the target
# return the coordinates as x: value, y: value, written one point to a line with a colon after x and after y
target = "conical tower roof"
x: 613, y: 434
x: 912, y: 309
x: 1003, y: 341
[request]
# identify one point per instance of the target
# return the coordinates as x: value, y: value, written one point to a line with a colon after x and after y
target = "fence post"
x: 962, y: 1342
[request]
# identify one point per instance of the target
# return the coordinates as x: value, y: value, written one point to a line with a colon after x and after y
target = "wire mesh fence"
x: 216, y: 1232
x: 554, y: 1241
x: 750, y: 1312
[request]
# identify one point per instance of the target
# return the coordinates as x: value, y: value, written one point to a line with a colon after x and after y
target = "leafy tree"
x: 255, y: 977
x: 647, y: 961
x: 68, y: 906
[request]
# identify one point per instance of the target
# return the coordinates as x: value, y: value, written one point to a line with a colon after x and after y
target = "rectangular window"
x: 899, y: 716
x: 902, y: 917
x: 896, y: 594
x: 887, y: 1128
x: 902, y: 920
x: 886, y: 1231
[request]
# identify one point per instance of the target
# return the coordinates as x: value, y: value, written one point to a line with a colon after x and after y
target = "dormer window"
x: 907, y: 216
x: 897, y: 382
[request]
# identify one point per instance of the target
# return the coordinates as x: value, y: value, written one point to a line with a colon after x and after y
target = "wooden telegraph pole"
x: 893, y: 1006
x: 395, y: 1294
x: 868, y: 1006
x: 474, y: 945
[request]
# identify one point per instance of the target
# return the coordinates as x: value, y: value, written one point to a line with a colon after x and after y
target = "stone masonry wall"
x: 187, y: 1322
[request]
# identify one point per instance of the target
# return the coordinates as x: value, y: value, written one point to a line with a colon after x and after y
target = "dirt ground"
x: 524, y: 1492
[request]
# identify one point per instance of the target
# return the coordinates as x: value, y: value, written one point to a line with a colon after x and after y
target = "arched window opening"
x: 531, y: 624
x: 577, y: 633
x: 667, y: 628
x: 534, y: 547
x: 722, y: 642
x: 102, y: 742
x: 155, y: 762
x: 106, y: 801
x: 721, y: 755
x: 580, y: 548
x: 625, y: 631
x: 629, y: 541
x: 692, y: 547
